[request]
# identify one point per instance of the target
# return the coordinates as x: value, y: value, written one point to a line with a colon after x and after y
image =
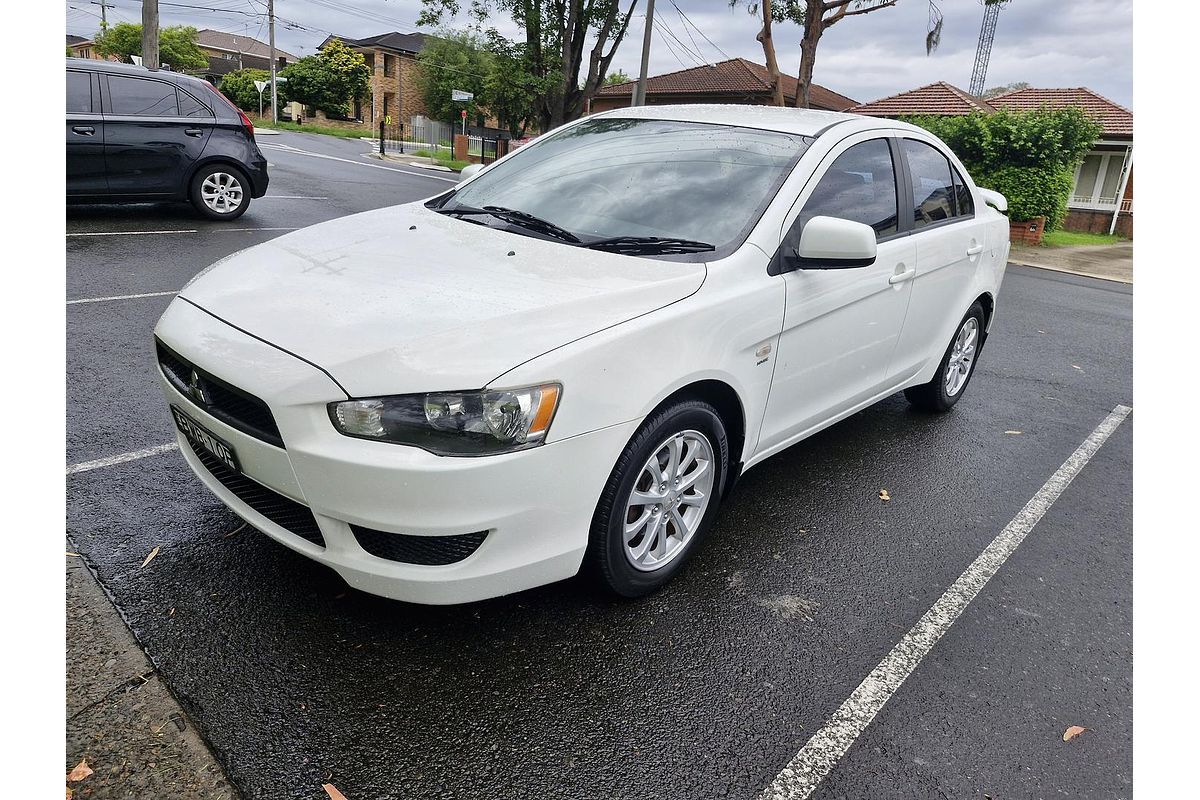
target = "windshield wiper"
x: 648, y: 245
x: 521, y: 218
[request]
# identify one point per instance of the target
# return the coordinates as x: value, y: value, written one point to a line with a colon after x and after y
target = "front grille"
x: 425, y: 550
x: 234, y: 407
x: 294, y: 517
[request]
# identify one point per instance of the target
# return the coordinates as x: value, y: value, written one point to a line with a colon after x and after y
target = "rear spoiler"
x: 994, y: 199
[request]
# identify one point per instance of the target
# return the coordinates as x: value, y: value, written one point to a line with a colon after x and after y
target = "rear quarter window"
x: 141, y: 97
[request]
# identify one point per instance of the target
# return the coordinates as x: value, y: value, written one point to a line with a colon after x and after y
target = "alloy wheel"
x: 962, y: 356
x: 221, y: 192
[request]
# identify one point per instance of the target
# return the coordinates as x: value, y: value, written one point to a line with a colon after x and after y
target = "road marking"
x: 214, y: 229
x: 132, y: 233
x: 290, y: 197
x: 422, y: 174
x: 88, y: 466
x: 827, y: 746
x: 119, y: 297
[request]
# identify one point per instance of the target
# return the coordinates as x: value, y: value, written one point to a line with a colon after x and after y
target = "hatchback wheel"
x: 956, y: 369
x: 660, y: 499
x: 220, y: 192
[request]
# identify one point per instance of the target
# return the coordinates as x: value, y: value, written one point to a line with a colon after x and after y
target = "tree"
x: 1010, y: 87
x: 239, y: 87
x: 330, y: 81
x: 176, y: 45
x: 448, y: 62
x: 511, y: 90
x: 556, y: 34
x: 619, y: 76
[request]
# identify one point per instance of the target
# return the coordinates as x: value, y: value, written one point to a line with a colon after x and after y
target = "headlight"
x: 453, y: 423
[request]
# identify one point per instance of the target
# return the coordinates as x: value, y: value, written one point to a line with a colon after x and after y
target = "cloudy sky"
x: 1047, y: 43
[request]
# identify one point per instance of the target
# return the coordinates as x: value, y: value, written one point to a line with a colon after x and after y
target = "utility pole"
x: 150, y: 34
x: 639, y: 95
x: 104, y: 6
x: 274, y: 90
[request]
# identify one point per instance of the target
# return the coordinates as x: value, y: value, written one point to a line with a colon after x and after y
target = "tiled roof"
x: 1117, y: 120
x: 221, y: 40
x: 937, y: 98
x: 72, y: 39
x: 736, y: 77
x: 401, y: 42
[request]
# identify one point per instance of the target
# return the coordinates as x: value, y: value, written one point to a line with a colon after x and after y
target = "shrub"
x: 1028, y: 156
x: 1032, y: 191
x: 239, y: 87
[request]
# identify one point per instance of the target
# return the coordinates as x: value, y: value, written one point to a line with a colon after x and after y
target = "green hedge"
x: 1028, y: 156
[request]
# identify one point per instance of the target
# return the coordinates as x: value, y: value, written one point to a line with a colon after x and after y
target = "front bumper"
x: 535, y: 505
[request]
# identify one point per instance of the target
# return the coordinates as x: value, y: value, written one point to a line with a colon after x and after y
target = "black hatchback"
x: 136, y: 135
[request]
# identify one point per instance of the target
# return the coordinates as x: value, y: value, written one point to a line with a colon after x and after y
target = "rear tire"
x: 660, y: 500
x: 220, y: 192
x: 958, y: 365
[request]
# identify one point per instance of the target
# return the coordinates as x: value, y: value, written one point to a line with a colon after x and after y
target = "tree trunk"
x: 768, y: 46
x: 814, y: 26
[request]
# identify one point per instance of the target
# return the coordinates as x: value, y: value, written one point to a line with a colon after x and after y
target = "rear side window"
x: 191, y: 107
x: 139, y: 97
x: 79, y: 92
x: 935, y: 195
x: 964, y: 206
x: 859, y: 186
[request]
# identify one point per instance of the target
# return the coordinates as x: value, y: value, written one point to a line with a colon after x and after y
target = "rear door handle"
x: 200, y: 132
x: 901, y: 277
x: 84, y: 130
x: 975, y: 249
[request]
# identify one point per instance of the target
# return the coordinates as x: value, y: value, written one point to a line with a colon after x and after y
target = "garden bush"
x: 1028, y: 156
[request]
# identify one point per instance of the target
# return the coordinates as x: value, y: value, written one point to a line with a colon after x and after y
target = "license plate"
x: 200, y: 437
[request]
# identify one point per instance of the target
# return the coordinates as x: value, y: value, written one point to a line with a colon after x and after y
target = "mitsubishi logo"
x: 196, y: 389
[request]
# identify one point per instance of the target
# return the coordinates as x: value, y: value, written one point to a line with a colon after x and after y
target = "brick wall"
x: 1086, y: 221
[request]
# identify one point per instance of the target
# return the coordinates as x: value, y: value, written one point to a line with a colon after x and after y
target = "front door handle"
x: 84, y: 130
x: 975, y: 249
x: 901, y: 277
x: 200, y: 132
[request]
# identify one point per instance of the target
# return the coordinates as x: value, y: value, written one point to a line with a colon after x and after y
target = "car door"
x: 150, y: 144
x: 949, y: 242
x: 85, y: 135
x: 841, y: 326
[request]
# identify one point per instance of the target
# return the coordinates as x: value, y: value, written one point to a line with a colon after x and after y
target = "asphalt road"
x: 706, y: 689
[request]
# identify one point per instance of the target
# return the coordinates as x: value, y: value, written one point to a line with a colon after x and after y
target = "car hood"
x: 404, y: 299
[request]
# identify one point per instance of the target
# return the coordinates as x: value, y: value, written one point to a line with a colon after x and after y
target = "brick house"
x: 228, y: 52
x: 735, y: 81
x: 1102, y: 199
x: 393, y: 89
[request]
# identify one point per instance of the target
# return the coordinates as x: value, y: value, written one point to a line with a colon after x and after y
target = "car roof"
x: 118, y: 68
x: 802, y: 121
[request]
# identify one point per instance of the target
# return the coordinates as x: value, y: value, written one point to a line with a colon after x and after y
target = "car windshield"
x: 626, y: 180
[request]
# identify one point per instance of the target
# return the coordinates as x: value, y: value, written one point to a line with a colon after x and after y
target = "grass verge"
x: 327, y: 130
x: 1073, y: 238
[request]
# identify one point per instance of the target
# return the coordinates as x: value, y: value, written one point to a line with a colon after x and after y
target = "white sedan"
x: 566, y: 361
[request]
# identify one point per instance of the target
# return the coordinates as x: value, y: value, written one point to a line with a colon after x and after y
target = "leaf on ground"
x: 69, y: 793
x: 81, y: 771
x: 884, y: 496
x: 1072, y: 732
x: 150, y: 557
x: 1013, y: 433
x: 1076, y: 366
x: 332, y: 791
x: 73, y: 554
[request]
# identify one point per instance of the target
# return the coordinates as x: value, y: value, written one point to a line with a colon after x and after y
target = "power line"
x: 661, y: 24
x: 699, y: 31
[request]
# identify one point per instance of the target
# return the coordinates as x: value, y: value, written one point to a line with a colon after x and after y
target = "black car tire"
x: 226, y: 176
x: 934, y: 396
x: 606, y: 557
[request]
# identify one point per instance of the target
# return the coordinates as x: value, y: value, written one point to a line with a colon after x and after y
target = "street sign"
x: 459, y: 96
x: 464, y: 113
x: 260, y: 85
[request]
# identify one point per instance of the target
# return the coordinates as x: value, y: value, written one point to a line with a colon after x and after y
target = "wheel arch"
x: 725, y: 399
x: 203, y: 162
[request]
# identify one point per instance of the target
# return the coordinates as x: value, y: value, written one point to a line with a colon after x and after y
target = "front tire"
x: 220, y: 192
x: 660, y: 500
x: 958, y: 365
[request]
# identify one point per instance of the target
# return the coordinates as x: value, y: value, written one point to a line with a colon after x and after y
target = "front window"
x: 636, y: 180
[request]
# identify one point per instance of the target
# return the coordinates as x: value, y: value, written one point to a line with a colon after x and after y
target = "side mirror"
x: 468, y: 171
x: 832, y: 243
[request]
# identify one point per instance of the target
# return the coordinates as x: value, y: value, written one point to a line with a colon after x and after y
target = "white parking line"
x: 827, y: 746
x: 290, y: 197
x: 214, y: 229
x: 88, y: 466
x: 421, y: 174
x: 118, y: 297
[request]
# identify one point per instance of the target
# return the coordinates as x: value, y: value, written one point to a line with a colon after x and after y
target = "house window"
x: 1098, y: 178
